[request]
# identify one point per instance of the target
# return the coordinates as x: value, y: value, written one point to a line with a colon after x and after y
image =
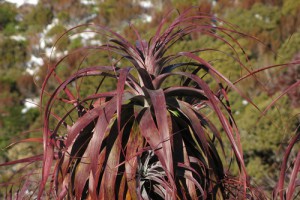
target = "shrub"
x: 158, y: 134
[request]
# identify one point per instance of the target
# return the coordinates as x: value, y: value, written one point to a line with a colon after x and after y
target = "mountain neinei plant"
x: 143, y: 140
x: 151, y: 136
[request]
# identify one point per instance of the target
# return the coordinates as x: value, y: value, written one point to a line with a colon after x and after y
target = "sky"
x: 21, y: 2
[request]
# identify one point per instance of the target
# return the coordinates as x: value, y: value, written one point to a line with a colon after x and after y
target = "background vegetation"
x: 28, y: 33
